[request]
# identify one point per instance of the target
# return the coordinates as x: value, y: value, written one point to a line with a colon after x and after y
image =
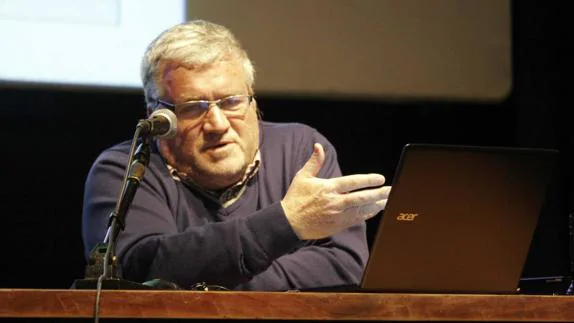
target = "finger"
x: 370, y: 210
x: 357, y: 215
x: 382, y: 204
x: 355, y: 182
x: 315, y: 162
x: 365, y: 212
x: 364, y: 197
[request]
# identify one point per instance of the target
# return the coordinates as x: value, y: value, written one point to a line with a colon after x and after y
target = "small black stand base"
x: 111, y: 283
x: 552, y: 285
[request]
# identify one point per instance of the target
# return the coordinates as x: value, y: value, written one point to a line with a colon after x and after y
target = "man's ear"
x: 148, y: 110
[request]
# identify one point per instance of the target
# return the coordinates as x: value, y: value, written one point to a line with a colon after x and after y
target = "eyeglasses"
x: 232, y: 106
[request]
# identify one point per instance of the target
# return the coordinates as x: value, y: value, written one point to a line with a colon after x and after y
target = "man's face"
x: 216, y: 151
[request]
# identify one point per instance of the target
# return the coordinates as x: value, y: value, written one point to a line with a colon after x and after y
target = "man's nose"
x: 215, y: 120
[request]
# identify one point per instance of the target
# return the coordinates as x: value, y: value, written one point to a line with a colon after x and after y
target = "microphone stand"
x: 570, y: 289
x: 110, y: 278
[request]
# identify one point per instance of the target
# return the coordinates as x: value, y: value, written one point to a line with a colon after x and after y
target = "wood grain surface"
x: 35, y: 303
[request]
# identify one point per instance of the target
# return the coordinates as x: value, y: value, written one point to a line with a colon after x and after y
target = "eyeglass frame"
x: 210, y: 103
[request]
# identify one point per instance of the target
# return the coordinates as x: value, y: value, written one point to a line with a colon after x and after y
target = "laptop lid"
x: 459, y: 219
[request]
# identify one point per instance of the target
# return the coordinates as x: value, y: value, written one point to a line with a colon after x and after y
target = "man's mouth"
x: 218, y: 145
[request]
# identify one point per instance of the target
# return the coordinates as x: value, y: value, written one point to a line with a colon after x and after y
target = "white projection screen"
x: 380, y: 49
x: 94, y: 43
x: 444, y: 49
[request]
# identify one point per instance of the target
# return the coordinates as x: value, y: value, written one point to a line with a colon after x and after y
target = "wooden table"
x: 36, y: 303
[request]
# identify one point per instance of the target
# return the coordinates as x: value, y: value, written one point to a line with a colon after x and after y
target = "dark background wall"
x: 51, y: 136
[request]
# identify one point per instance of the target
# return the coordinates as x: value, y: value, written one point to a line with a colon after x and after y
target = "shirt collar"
x: 230, y: 194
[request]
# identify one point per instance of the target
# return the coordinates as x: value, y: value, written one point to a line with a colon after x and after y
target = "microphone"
x: 162, y: 123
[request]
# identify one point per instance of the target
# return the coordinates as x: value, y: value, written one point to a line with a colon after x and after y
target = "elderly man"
x: 231, y: 200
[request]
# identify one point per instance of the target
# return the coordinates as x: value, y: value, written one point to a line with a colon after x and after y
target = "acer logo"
x: 407, y: 216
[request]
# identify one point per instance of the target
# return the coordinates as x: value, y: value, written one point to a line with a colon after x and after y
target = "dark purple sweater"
x: 176, y: 234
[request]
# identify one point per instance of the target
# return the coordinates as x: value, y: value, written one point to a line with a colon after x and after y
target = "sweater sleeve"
x: 226, y: 253
x: 334, y: 261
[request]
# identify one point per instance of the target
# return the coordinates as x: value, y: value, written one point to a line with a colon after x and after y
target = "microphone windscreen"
x: 168, y: 122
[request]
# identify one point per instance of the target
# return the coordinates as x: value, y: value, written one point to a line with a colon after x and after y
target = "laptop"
x: 459, y: 219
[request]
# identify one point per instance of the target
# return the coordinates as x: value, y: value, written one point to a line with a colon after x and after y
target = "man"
x: 231, y: 200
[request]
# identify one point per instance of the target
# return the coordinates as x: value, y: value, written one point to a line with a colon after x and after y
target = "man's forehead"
x: 182, y: 82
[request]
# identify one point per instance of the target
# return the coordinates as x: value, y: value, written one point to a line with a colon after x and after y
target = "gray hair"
x: 196, y: 43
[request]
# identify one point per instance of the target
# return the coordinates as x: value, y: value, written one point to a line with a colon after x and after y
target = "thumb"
x: 315, y: 162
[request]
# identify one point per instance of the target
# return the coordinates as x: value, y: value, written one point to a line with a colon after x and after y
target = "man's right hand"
x: 317, y: 208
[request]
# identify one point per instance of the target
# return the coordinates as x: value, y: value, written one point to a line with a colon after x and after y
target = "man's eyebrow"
x: 217, y: 96
x: 183, y: 99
